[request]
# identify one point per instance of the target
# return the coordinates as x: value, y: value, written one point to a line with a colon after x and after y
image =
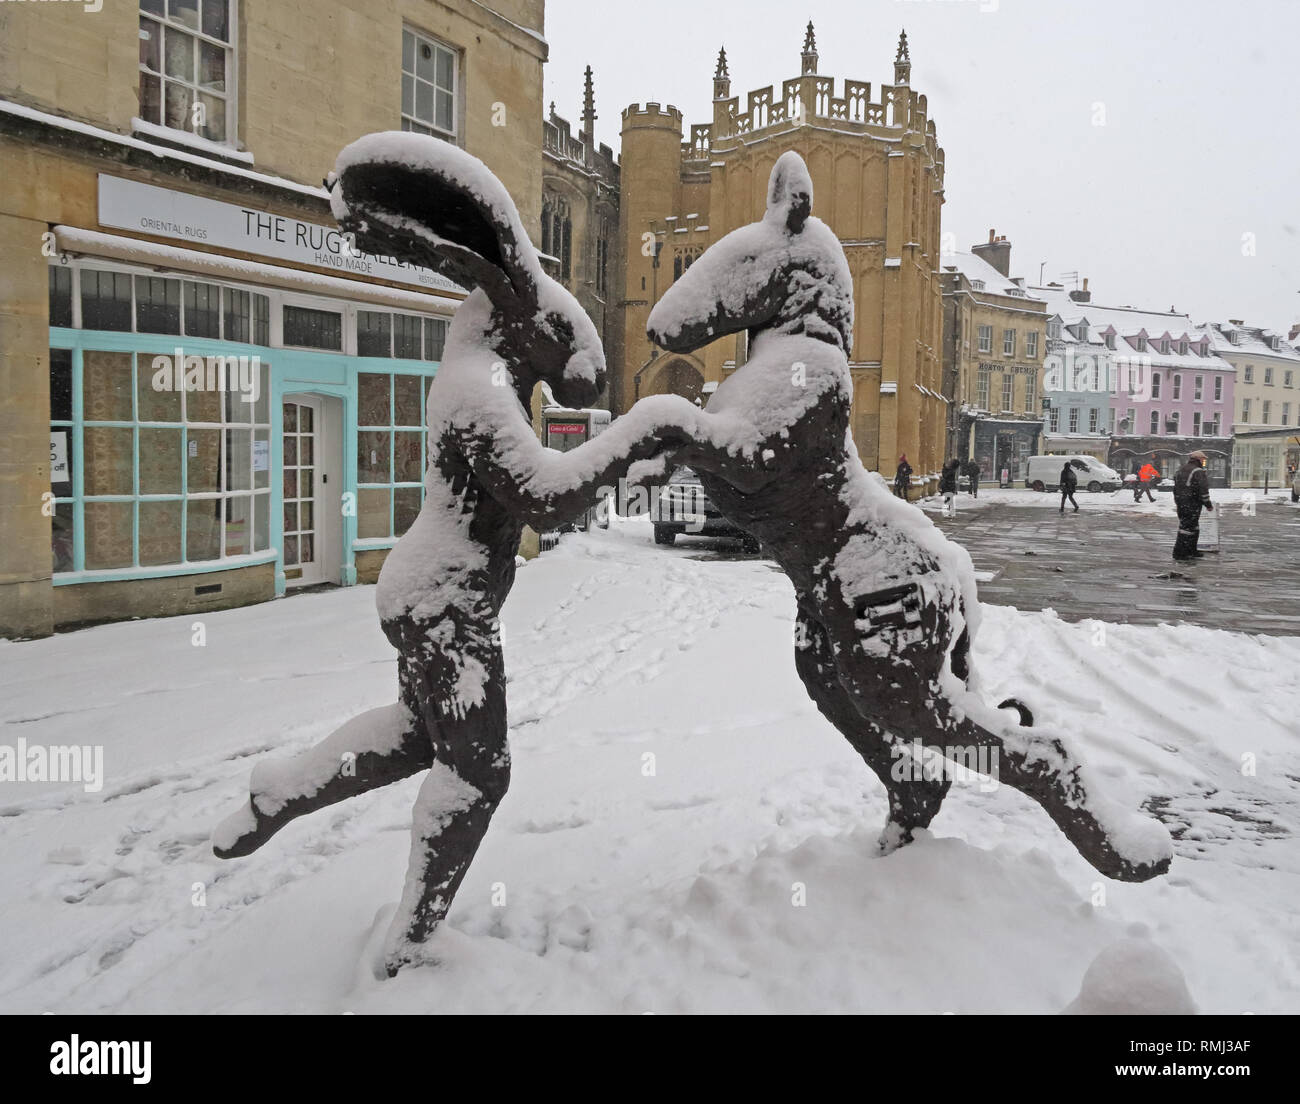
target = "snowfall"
x: 683, y: 832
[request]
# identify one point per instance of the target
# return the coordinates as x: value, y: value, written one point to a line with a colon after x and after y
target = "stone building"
x: 1266, y: 408
x: 579, y: 233
x: 877, y: 173
x: 993, y: 350
x: 1078, y: 417
x: 166, y: 234
x: 1170, y: 394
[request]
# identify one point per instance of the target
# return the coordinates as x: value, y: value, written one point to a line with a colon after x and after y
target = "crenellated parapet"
x: 811, y: 100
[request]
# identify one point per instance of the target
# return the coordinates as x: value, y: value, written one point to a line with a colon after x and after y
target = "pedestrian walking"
x: 1147, y: 478
x: 973, y: 477
x: 1069, y: 482
x: 903, y: 477
x: 1191, y: 495
x: 948, y: 486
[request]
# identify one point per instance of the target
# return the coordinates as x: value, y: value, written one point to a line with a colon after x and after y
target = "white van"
x: 1043, y: 473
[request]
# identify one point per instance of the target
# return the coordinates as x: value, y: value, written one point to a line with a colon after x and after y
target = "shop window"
x: 435, y: 338
x: 390, y: 451
x: 246, y: 316
x: 157, y: 305
x: 60, y: 295
x: 428, y: 85
x: 168, y: 476
x: 202, y: 310
x: 105, y: 300
x: 374, y: 334
x: 310, y: 328
x: 60, y: 385
x: 405, y: 336
x: 187, y: 66
x: 61, y: 459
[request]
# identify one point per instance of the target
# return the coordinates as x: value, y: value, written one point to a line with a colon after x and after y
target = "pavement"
x: 1117, y: 566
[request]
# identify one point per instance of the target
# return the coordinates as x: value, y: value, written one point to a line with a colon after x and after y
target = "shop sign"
x: 212, y: 224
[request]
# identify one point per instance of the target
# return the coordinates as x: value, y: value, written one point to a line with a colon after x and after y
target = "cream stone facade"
x: 232, y: 112
x: 878, y: 178
x: 995, y: 342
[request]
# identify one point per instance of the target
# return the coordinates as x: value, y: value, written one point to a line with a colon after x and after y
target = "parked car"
x: 1043, y: 473
x: 683, y: 507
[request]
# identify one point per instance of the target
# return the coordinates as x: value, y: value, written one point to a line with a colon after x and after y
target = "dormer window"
x: 1182, y: 348
x: 1141, y: 344
x: 1110, y: 341
x: 977, y: 285
x: 1164, y: 345
x: 1054, y: 330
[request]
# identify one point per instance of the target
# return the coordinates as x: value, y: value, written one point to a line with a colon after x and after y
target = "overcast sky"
x: 1199, y: 103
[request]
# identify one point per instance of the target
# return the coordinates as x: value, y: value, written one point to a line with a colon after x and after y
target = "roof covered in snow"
x: 1236, y: 337
x: 1129, y: 325
x: 983, y: 276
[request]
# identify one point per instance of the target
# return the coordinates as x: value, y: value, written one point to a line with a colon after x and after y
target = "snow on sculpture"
x: 887, y: 606
x: 442, y: 587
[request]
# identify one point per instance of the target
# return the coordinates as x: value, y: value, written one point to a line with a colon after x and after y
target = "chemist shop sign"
x: 210, y: 223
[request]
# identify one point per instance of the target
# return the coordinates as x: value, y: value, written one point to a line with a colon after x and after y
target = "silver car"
x: 683, y: 507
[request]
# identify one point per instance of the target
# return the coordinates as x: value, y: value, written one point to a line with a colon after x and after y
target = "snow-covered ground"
x: 1102, y: 500
x: 683, y: 831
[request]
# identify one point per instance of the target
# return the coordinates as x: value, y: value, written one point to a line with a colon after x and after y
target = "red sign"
x: 566, y: 427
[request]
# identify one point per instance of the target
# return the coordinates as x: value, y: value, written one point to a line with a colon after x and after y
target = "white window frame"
x: 1218, y: 389
x: 230, y: 95
x: 1074, y: 419
x: 1265, y: 412
x: 1031, y: 344
x: 1008, y: 393
x: 1198, y: 388
x: 411, y: 120
x: 1009, y: 343
x: 1154, y: 423
x: 985, y: 334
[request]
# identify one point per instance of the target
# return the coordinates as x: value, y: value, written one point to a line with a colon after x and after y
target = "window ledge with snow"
x: 144, y: 129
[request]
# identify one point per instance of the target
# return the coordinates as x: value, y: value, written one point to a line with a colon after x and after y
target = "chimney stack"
x: 996, y: 252
x: 1082, y: 295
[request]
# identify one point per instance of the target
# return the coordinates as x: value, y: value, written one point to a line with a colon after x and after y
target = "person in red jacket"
x: 1146, y: 480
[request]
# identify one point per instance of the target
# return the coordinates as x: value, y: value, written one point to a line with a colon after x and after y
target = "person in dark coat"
x: 1069, y: 481
x: 1191, y: 495
x: 903, y: 477
x: 948, y: 486
x: 973, y: 476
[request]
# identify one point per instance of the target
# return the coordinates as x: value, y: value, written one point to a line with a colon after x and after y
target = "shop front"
x: 205, y: 428
x: 1002, y: 446
x: 226, y: 424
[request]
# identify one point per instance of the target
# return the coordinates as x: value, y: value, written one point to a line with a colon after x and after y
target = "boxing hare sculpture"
x: 442, y: 587
x: 887, y: 606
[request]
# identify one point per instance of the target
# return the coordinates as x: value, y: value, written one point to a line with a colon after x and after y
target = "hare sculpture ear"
x: 429, y: 203
x: 790, y: 192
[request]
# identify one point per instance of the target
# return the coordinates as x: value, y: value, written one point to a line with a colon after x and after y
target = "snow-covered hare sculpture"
x: 887, y: 606
x: 443, y: 585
